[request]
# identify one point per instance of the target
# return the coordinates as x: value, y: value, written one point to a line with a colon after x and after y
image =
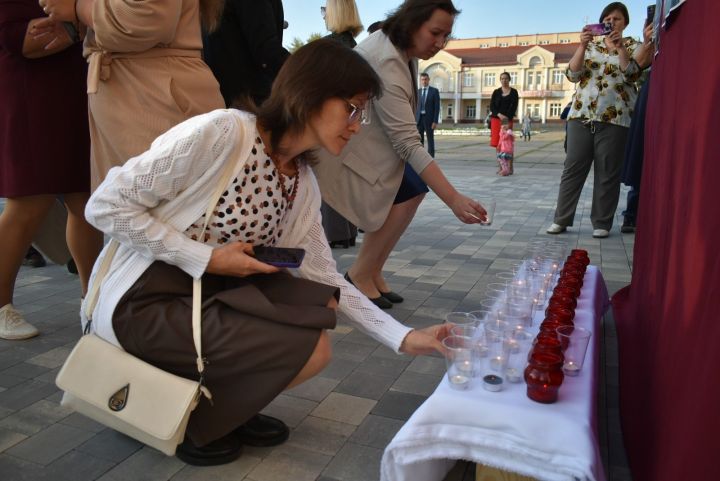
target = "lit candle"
x: 571, y: 369
x: 496, y: 363
x: 459, y: 381
x: 465, y: 367
x: 512, y: 374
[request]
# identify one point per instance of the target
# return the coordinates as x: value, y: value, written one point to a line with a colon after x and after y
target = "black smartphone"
x: 650, y: 15
x: 279, y: 256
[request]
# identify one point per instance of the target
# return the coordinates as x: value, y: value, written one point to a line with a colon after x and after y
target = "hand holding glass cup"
x: 488, y: 204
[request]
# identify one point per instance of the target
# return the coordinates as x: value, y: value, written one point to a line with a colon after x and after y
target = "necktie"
x: 422, y: 99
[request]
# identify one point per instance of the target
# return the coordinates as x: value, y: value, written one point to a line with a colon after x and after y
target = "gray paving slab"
x: 343, y: 419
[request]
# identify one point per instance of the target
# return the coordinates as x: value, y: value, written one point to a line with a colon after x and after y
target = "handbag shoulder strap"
x: 93, y: 293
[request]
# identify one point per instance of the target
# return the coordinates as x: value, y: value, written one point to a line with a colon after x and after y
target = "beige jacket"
x: 362, y: 182
x: 145, y: 75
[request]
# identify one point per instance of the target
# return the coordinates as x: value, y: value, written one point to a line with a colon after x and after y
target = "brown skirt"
x: 257, y: 334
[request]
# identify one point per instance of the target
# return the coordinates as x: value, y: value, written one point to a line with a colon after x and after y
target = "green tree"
x: 297, y: 43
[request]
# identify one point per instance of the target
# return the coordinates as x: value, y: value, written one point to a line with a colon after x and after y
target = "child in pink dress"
x: 505, y: 150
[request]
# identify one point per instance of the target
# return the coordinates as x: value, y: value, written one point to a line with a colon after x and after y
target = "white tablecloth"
x: 507, y: 430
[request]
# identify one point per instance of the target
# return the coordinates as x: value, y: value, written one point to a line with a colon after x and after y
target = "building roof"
x: 496, y: 56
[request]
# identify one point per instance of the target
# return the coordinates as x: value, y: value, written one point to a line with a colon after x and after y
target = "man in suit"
x: 427, y: 112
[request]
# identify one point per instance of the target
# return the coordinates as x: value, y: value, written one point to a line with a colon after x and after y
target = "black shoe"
x: 393, y: 297
x: 628, y: 226
x: 72, y: 267
x: 263, y: 431
x: 33, y: 258
x: 221, y: 451
x: 379, y: 301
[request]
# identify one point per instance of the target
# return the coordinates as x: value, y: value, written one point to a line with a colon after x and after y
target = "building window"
x: 468, y: 78
x: 450, y: 110
x: 555, y: 110
x: 535, y: 61
x: 503, y: 44
x: 538, y: 80
x: 544, y: 42
x: 489, y: 80
x: 565, y: 40
x: 470, y: 111
x: 484, y: 45
x: 530, y: 77
x: 523, y: 44
x: 536, y: 110
x: 557, y: 76
x: 513, y: 78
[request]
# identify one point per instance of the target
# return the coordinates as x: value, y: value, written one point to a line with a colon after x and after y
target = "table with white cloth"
x: 506, y: 430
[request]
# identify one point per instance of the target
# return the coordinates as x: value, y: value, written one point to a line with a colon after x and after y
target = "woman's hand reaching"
x: 469, y: 211
x: 426, y: 341
x: 236, y: 259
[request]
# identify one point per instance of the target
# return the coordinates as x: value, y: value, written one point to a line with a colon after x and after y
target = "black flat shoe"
x: 262, y: 431
x: 393, y: 297
x: 379, y: 301
x: 221, y: 451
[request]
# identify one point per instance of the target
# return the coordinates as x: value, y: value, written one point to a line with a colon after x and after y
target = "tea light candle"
x: 512, y: 374
x: 571, y: 369
x: 493, y: 383
x: 459, y: 381
x: 465, y: 367
x: 496, y: 363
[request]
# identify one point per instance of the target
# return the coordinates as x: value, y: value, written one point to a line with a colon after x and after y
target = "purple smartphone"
x: 279, y: 256
x: 599, y: 28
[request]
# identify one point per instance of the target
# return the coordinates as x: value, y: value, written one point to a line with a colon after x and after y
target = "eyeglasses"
x: 322, y: 11
x: 357, y: 113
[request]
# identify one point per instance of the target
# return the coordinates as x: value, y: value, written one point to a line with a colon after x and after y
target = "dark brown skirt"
x: 257, y: 334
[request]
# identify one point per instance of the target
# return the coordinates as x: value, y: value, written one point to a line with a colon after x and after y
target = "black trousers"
x: 424, y: 126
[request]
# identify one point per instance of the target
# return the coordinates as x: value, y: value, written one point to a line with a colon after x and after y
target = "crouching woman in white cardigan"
x: 263, y: 329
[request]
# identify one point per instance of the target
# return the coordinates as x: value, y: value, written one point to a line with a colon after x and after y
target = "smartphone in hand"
x: 650, y: 15
x: 279, y: 256
x: 599, y: 28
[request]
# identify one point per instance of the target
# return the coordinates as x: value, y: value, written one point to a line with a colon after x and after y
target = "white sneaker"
x: 13, y: 326
x: 600, y: 233
x: 556, y: 229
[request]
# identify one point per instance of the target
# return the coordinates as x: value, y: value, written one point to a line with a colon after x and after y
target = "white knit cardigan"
x: 148, y: 204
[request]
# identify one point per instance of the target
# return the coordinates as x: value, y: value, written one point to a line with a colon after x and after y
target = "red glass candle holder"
x: 573, y: 264
x: 561, y: 315
x: 561, y: 301
x: 544, y: 377
x: 547, y: 341
x: 569, y: 290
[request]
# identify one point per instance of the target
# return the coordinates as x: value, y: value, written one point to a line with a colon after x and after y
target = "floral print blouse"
x: 605, y: 93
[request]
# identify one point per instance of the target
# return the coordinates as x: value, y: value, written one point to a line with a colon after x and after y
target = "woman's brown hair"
x: 402, y: 23
x: 319, y: 71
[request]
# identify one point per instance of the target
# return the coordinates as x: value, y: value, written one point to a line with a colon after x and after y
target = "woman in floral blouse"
x: 605, y: 71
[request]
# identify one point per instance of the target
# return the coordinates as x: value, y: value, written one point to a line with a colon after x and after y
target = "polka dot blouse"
x: 252, y: 208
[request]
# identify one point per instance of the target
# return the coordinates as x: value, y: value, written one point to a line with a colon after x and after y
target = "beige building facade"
x: 468, y: 70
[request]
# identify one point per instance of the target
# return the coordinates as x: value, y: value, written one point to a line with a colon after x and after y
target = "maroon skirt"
x: 258, y: 332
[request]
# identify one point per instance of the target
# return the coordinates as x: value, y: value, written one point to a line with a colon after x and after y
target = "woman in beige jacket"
x: 364, y: 183
x: 146, y: 73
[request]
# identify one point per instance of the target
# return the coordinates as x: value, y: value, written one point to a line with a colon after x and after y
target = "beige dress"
x: 146, y: 75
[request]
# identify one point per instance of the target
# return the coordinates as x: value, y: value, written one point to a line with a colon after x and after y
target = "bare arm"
x: 645, y: 52
x: 578, y: 58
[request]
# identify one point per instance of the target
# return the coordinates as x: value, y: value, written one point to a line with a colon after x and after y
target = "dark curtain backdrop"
x: 669, y: 318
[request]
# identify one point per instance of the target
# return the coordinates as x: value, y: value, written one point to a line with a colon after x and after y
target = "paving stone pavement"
x: 341, y: 420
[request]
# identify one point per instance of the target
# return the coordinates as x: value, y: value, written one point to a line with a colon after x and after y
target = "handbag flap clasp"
x: 118, y: 401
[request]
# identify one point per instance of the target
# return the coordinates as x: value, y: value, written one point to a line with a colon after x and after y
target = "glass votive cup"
x: 494, y: 337
x: 544, y: 376
x: 496, y: 290
x: 576, y: 340
x: 517, y: 345
x: 488, y: 204
x: 459, y: 360
x: 461, y: 319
